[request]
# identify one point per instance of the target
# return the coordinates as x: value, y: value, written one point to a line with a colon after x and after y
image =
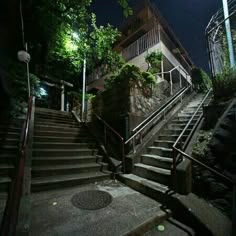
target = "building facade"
x: 145, y: 32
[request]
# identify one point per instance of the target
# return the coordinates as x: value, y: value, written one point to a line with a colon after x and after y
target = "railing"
x: 161, y: 112
x: 179, y: 141
x: 178, y: 150
x: 11, y: 211
x: 142, y: 44
x: 106, y: 129
x: 178, y: 69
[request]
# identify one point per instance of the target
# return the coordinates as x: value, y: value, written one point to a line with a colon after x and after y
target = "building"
x: 146, y: 31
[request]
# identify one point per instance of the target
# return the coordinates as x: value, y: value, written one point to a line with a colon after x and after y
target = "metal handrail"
x: 158, y: 114
x: 176, y: 68
x: 12, y: 207
x: 153, y: 113
x: 189, y: 122
x: 106, y: 125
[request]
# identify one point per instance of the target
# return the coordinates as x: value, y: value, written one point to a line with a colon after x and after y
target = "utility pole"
x: 228, y: 33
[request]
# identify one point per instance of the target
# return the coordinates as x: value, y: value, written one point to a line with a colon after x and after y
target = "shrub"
x: 154, y: 62
x: 149, y: 78
x: 200, y: 79
x: 224, y: 85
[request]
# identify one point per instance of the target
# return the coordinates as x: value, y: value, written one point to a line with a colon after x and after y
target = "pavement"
x: 129, y: 213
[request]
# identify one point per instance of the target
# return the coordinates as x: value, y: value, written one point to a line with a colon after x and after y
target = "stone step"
x: 50, y: 170
x: 9, y: 149
x: 6, y: 170
x: 58, y: 128
x: 9, y: 129
x: 9, y: 141
x: 40, y: 115
x: 72, y: 124
x: 170, y: 137
x: 186, y: 117
x: 148, y: 187
x: 164, y: 143
x: 63, y: 181
x: 51, y: 145
x: 60, y: 134
x: 63, y: 139
x: 64, y: 152
x: 157, y: 161
x: 9, y: 135
x: 160, y: 151
x: 64, y: 160
x: 182, y: 120
x: 153, y: 173
x: 39, y: 110
x: 8, y: 158
x: 4, y: 184
x: 174, y: 131
x: 179, y: 125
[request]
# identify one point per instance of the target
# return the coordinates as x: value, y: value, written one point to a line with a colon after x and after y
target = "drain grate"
x: 91, y: 199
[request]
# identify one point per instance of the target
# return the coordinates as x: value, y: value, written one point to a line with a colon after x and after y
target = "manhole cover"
x: 91, y: 199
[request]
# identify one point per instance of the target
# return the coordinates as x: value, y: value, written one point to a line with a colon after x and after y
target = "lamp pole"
x: 228, y: 33
x: 83, y: 92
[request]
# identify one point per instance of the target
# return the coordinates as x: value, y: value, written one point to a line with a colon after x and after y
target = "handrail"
x: 176, y: 68
x: 11, y: 211
x: 153, y: 113
x: 158, y: 114
x: 231, y: 181
x: 106, y: 125
x: 189, y: 122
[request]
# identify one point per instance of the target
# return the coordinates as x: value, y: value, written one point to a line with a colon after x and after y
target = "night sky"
x: 187, y: 18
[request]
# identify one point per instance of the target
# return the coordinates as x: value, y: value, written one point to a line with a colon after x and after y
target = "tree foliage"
x: 60, y: 53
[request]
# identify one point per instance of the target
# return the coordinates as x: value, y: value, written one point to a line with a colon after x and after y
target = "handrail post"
x: 171, y: 84
x: 234, y: 210
x: 180, y: 80
x: 134, y: 150
x: 105, y: 135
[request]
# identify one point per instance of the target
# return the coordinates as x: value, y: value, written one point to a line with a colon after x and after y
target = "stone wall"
x: 126, y: 105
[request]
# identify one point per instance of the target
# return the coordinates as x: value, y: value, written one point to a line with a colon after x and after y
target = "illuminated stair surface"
x: 64, y: 152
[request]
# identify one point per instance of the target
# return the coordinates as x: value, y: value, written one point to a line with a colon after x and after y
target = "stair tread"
x: 158, y: 157
x: 61, y: 149
x: 6, y: 166
x: 55, y: 143
x: 161, y: 148
x: 5, y: 180
x: 64, y: 157
x: 59, y: 178
x: 58, y: 167
x: 146, y: 182
x: 155, y: 169
x: 164, y: 141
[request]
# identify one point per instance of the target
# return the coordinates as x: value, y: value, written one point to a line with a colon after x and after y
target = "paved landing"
x: 54, y: 214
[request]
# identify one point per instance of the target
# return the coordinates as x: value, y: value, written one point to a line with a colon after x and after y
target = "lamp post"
x: 77, y: 36
x: 228, y: 33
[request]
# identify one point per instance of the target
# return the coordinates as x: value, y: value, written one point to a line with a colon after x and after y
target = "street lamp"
x: 228, y: 33
x: 76, y: 36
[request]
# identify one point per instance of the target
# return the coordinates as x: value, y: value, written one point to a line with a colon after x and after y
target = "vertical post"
x: 171, y: 84
x: 83, y: 95
x: 137, y: 47
x: 228, y: 33
x: 180, y: 80
x: 234, y: 210
x: 62, y: 97
x: 27, y: 70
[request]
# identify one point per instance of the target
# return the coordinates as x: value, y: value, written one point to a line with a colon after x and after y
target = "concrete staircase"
x: 155, y: 166
x: 64, y: 152
x: 9, y: 141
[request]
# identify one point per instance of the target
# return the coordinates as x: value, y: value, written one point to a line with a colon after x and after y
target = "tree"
x: 51, y: 36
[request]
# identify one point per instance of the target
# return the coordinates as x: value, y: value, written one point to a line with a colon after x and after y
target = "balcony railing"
x: 142, y: 44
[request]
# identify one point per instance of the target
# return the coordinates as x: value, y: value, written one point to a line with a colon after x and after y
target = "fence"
x: 217, y: 39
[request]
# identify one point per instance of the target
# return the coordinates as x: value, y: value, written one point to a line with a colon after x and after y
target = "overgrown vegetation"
x: 224, y: 85
x: 200, y: 79
x: 154, y: 60
x: 133, y: 74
